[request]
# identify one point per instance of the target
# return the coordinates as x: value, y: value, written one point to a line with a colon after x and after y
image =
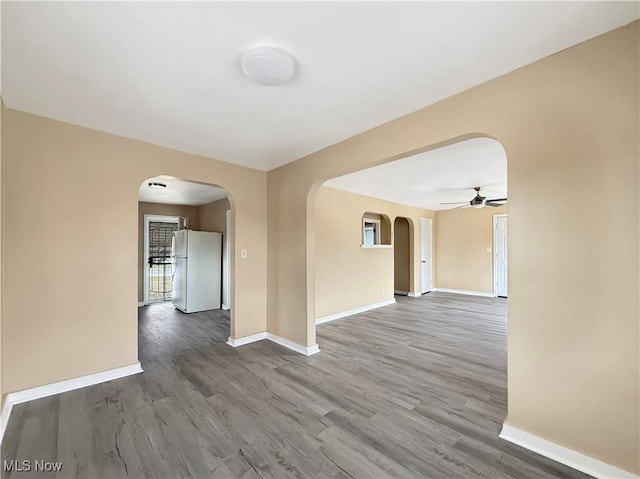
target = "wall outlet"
x: 488, y: 249
x: 382, y: 291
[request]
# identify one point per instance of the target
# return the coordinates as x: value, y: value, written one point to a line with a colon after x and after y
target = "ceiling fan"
x: 478, y: 201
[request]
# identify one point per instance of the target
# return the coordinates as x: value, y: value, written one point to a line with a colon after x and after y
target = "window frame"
x: 376, y: 232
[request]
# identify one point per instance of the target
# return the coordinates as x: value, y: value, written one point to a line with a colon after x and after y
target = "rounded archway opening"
x: 376, y: 229
x: 402, y: 254
x: 185, y: 262
x: 413, y: 189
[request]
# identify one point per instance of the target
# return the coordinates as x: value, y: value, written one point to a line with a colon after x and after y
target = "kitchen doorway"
x: 158, y: 277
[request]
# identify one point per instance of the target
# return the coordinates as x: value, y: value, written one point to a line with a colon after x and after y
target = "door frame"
x: 495, y: 251
x: 430, y: 220
x: 226, y: 264
x: 145, y: 255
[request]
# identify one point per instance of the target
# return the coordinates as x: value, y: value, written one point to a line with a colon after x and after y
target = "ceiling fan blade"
x: 458, y: 207
x: 494, y: 205
x: 497, y: 199
x: 455, y: 203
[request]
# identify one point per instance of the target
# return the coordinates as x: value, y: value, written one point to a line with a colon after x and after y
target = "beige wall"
x: 1, y: 249
x: 347, y: 275
x: 401, y: 255
x: 569, y: 124
x: 70, y: 244
x: 144, y: 208
x: 460, y: 243
x: 1, y: 262
x: 213, y: 216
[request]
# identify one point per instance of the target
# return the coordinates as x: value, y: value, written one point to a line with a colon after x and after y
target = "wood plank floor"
x: 415, y: 389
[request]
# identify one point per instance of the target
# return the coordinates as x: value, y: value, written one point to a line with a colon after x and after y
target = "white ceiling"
x: 168, y: 72
x: 179, y: 192
x: 446, y: 174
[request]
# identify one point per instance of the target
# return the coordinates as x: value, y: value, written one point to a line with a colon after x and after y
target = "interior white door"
x: 500, y: 255
x: 226, y: 265
x: 426, y: 259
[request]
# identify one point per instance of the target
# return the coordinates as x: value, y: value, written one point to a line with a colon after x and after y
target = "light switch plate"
x: 243, y: 253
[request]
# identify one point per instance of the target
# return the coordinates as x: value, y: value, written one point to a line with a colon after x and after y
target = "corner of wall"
x: 1, y: 269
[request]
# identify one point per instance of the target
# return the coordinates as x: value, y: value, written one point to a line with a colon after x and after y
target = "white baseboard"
x: 361, y: 309
x: 62, y: 387
x: 4, y: 417
x: 407, y: 293
x: 462, y: 291
x: 225, y: 307
x: 298, y: 348
x: 235, y: 342
x: 563, y: 455
x: 141, y: 303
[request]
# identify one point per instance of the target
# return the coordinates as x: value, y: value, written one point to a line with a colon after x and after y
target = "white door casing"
x: 500, y: 269
x: 226, y: 265
x: 426, y: 255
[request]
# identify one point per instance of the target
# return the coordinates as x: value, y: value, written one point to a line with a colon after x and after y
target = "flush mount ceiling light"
x: 157, y: 185
x: 268, y: 66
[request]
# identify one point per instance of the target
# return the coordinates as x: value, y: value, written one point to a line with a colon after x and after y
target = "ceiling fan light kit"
x: 478, y: 201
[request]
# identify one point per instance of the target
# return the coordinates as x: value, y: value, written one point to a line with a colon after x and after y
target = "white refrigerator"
x: 197, y: 272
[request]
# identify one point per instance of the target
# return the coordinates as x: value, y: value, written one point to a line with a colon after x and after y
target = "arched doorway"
x: 414, y: 189
x: 184, y: 264
x: 401, y: 256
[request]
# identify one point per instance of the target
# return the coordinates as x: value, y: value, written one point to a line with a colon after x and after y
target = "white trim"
x: 147, y: 220
x: 226, y: 263
x: 430, y: 220
x: 563, y: 455
x: 414, y: 295
x: 61, y: 387
x: 298, y: 348
x: 495, y: 257
x: 402, y: 293
x: 235, y: 342
x: 4, y: 417
x: 462, y: 291
x: 141, y: 303
x: 376, y: 246
x: 361, y: 309
x: 71, y: 384
x: 376, y: 232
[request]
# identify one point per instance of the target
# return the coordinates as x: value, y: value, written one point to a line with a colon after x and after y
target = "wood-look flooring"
x: 416, y: 389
